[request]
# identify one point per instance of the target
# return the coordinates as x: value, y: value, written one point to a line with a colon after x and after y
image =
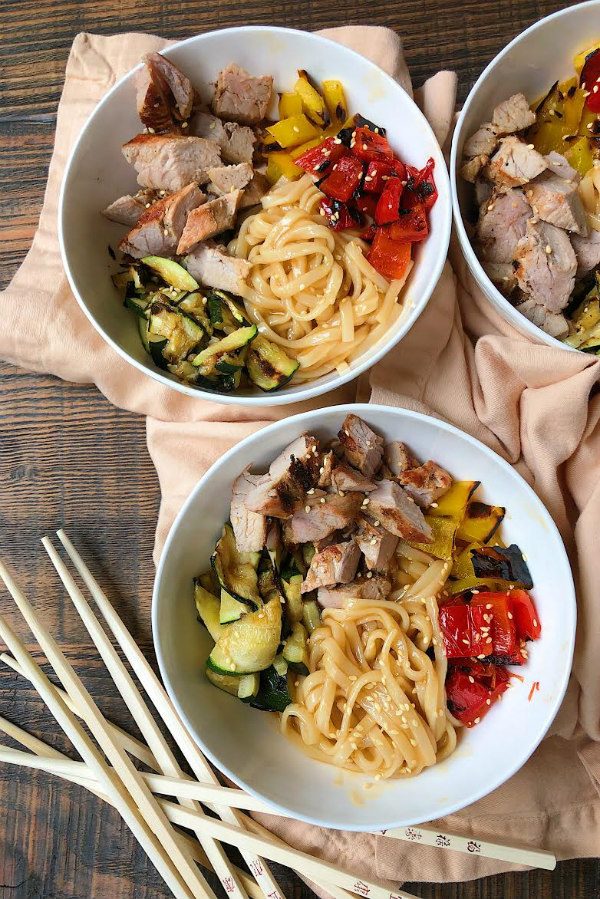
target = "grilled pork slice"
x: 236, y: 141
x: 249, y: 528
x: 165, y: 96
x: 557, y: 201
x: 515, y: 163
x: 362, y: 447
x: 225, y: 178
x: 483, y: 142
x: 376, y: 544
x: 291, y: 475
x: 392, y: 507
x: 240, y: 97
x: 376, y: 587
x: 425, y: 483
x: 546, y: 266
x: 208, y: 220
x: 502, y: 274
x: 513, y: 115
x: 212, y: 266
x: 553, y: 323
x: 336, y: 564
x: 471, y: 169
x: 334, y: 513
x: 127, y: 210
x: 159, y: 229
x: 254, y: 191
x: 398, y: 457
x: 170, y: 161
x: 346, y: 478
x: 502, y: 223
x: 587, y: 252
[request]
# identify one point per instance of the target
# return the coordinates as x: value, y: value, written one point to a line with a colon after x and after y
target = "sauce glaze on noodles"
x: 310, y: 289
x: 374, y: 701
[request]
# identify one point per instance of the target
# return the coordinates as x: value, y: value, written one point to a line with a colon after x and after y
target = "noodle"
x: 374, y: 701
x: 311, y: 290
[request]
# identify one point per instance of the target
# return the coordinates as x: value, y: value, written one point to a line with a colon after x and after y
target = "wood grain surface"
x: 68, y: 457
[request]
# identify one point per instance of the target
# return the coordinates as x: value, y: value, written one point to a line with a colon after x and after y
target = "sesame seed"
x: 322, y: 500
x: 373, y: 541
x: 336, y: 140
x: 296, y: 129
x: 510, y: 614
x: 341, y: 493
x: 364, y: 146
x: 307, y: 508
x: 151, y: 131
x: 368, y: 178
x: 147, y: 205
x: 488, y: 702
x: 530, y: 146
x: 369, y: 574
x: 434, y: 505
x: 471, y: 679
x: 311, y: 491
x: 481, y: 657
x: 491, y: 206
x: 488, y: 605
x: 184, y: 125
x: 376, y: 522
x: 477, y: 720
x: 535, y: 624
x: 413, y: 742
x: 548, y: 249
x: 366, y: 502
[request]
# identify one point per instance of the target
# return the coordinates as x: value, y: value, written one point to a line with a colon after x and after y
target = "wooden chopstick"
x: 93, y: 759
x: 144, y: 720
x: 166, y: 710
x: 128, y: 778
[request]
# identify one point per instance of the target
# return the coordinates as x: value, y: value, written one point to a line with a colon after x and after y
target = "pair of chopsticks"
x: 140, y: 797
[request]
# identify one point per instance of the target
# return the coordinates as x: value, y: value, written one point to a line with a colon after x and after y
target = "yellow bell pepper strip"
x: 335, y: 99
x: 312, y: 101
x: 290, y: 103
x: 294, y: 130
x: 281, y: 165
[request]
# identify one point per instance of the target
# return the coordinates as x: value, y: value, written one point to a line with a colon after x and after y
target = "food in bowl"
x: 367, y: 598
x: 314, y: 274
x: 536, y: 201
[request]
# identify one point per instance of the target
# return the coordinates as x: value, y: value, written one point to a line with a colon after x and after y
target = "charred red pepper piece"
x: 339, y: 216
x: 462, y: 629
x: 345, y: 177
x: 368, y: 145
x: 319, y: 160
x: 524, y: 615
x: 468, y: 699
x: 499, y: 618
x: 378, y: 173
x: 590, y: 80
x: 420, y: 187
x: 390, y: 258
x: 367, y: 204
x: 388, y: 205
x: 412, y: 225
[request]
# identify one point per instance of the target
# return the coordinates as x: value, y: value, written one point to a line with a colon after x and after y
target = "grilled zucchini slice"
x: 292, y: 589
x: 268, y: 366
x: 250, y: 644
x: 229, y: 344
x: 207, y: 606
x: 194, y: 305
x: 295, y: 650
x: 171, y: 272
x: 183, y: 333
x: 231, y: 609
x: 236, y: 571
x: 273, y: 693
x: 225, y: 314
x: 244, y: 687
x: 311, y: 615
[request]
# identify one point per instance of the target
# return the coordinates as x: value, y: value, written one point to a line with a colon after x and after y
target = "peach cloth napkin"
x: 534, y: 405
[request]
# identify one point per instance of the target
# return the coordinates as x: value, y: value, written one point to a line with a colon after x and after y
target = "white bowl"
x: 531, y: 63
x: 97, y: 173
x: 246, y: 744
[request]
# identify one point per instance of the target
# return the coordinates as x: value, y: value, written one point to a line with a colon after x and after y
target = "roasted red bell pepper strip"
x: 319, y: 159
x: 420, y: 187
x: 339, y: 216
x: 486, y: 672
x: 468, y: 699
x: 388, y: 205
x: 590, y: 80
x: 500, y: 620
x: 412, y: 225
x: 377, y: 175
x: 391, y: 258
x: 367, y: 204
x: 370, y: 146
x: 524, y: 614
x: 346, y: 175
x: 463, y: 630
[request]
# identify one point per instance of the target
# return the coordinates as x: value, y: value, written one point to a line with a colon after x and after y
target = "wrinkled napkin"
x: 533, y: 404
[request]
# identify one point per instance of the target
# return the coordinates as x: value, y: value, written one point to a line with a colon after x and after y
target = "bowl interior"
x: 247, y: 745
x: 525, y: 66
x: 98, y: 173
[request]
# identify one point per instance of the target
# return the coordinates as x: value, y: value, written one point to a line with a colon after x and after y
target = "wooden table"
x: 67, y: 456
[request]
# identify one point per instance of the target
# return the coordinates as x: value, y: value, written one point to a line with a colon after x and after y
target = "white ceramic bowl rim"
x: 474, y: 264
x: 569, y: 607
x: 312, y: 389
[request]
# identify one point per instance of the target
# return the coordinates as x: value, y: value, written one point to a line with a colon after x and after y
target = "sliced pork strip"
x: 240, y: 143
x: 513, y: 115
x: 502, y: 274
x: 240, y: 97
x: 587, y: 251
x: 336, y: 564
x: 170, y: 161
x: 557, y: 201
x: 392, y: 507
x: 336, y: 513
x: 208, y: 220
x: 483, y: 142
x: 376, y: 588
x: 345, y: 478
x: 165, y: 95
x: 249, y: 528
x: 362, y: 447
x: 471, y: 169
x: 291, y: 475
x: 180, y: 86
x: 127, y: 210
x: 254, y: 191
x: 426, y: 483
x: 376, y: 544
x: 159, y: 229
x: 212, y: 266
x: 398, y: 457
x: 225, y: 178
x: 515, y: 163
x: 546, y: 266
x: 502, y: 223
x: 552, y: 323
x: 558, y: 165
